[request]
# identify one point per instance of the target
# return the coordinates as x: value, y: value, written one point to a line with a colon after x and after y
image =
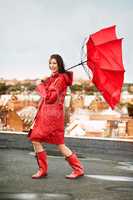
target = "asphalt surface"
x: 108, y: 178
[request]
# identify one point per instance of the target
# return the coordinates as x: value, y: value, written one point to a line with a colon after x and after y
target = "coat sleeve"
x: 42, y: 88
x: 53, y: 93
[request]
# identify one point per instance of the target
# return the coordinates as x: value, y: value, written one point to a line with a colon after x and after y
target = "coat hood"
x: 68, y: 76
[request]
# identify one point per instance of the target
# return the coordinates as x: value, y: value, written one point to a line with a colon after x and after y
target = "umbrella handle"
x: 76, y: 65
x: 81, y: 63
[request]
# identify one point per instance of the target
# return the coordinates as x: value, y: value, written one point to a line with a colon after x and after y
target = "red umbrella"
x: 104, y: 58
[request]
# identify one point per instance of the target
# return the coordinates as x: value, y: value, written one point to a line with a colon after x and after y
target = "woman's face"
x: 53, y: 65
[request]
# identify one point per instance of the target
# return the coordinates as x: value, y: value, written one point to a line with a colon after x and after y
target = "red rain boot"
x: 42, y: 163
x: 76, y: 165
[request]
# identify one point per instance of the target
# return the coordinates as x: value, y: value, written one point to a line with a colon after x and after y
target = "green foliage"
x: 130, y: 88
x: 93, y: 89
x: 14, y: 88
x: 76, y: 87
x: 89, y: 90
x: 29, y: 86
x: 3, y: 88
x: 6, y: 89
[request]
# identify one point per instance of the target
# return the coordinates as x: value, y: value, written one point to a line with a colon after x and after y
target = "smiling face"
x: 53, y: 65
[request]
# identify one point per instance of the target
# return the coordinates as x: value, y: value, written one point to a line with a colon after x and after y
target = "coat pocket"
x: 54, y: 110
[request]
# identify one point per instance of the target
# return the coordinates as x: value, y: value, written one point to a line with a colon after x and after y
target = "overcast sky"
x: 31, y: 30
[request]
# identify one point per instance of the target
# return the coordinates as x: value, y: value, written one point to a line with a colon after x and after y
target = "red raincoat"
x: 49, y: 121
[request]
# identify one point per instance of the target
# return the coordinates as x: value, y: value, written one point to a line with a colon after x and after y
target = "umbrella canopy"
x: 104, y: 58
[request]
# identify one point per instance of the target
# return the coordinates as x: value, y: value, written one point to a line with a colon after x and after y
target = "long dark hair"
x: 60, y: 62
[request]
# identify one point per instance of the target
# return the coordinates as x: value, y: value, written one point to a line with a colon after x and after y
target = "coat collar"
x: 55, y: 74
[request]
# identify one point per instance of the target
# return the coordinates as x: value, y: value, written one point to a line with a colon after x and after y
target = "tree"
x: 3, y: 88
x: 76, y: 87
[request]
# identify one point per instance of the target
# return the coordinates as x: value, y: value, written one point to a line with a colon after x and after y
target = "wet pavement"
x: 106, y: 178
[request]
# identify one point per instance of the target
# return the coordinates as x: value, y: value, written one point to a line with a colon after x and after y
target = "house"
x: 14, y: 122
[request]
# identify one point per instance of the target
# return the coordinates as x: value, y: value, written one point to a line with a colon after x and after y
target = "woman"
x: 48, y: 126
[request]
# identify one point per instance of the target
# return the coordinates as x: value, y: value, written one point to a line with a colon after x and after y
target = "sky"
x: 32, y: 30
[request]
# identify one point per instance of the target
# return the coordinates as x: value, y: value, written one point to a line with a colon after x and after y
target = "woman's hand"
x: 41, y: 80
x: 44, y: 79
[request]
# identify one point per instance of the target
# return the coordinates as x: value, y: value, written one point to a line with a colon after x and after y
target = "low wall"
x: 82, y: 146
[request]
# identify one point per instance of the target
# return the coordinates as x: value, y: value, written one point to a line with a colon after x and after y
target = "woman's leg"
x: 41, y: 157
x: 37, y: 146
x: 64, y: 150
x: 74, y: 162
